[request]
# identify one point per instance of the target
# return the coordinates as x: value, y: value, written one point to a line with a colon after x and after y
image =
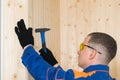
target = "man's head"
x: 97, y: 48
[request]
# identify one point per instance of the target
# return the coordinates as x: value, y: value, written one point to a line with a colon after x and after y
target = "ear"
x: 92, y: 54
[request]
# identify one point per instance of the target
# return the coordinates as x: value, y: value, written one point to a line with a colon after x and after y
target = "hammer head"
x: 41, y: 29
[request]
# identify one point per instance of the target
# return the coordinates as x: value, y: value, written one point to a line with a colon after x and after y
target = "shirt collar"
x: 98, y: 67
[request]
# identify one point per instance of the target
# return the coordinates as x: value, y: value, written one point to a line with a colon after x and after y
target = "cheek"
x: 81, y: 59
x: 83, y: 55
x: 80, y: 55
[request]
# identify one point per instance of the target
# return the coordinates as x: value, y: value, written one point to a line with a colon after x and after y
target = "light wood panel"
x: 37, y: 14
x: 45, y: 14
x: 13, y: 10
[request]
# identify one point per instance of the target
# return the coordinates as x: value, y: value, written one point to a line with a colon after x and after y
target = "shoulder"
x: 92, y: 75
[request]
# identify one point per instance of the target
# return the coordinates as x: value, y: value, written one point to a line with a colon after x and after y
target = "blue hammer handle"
x: 43, y: 39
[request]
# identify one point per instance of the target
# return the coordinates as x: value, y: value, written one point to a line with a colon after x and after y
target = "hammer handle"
x: 43, y: 39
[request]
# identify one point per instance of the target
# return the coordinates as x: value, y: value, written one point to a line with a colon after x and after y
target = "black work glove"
x: 24, y: 35
x: 48, y: 56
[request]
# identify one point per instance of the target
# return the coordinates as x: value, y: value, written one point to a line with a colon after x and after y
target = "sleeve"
x: 35, y: 64
x: 40, y: 69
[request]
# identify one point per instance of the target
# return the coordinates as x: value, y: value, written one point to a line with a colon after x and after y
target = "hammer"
x: 42, y: 32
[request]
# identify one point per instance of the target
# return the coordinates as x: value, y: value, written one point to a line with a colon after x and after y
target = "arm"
x: 35, y: 64
x: 40, y: 69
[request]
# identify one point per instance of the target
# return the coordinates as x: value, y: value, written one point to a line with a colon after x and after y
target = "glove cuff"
x: 56, y: 65
x: 27, y: 46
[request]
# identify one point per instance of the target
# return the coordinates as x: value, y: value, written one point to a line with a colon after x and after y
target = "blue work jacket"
x: 41, y: 70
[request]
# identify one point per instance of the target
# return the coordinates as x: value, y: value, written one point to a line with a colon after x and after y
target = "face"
x: 83, y: 55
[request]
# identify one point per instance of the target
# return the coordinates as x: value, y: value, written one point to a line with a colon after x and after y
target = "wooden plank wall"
x: 37, y: 14
x: 45, y: 14
x: 70, y: 21
x: 13, y: 10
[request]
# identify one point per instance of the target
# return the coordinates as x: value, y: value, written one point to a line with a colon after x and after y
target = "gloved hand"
x: 24, y: 35
x: 48, y: 56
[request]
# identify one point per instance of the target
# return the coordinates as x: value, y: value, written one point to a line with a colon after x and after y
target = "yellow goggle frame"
x: 82, y: 46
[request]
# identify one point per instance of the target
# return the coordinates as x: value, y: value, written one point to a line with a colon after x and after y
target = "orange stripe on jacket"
x: 78, y: 74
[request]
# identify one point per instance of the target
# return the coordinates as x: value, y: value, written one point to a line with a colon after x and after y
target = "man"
x: 95, y: 53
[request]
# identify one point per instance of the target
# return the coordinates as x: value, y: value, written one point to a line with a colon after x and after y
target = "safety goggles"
x: 82, y: 46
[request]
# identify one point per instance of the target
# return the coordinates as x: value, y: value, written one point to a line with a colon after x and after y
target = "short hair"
x: 106, y: 41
